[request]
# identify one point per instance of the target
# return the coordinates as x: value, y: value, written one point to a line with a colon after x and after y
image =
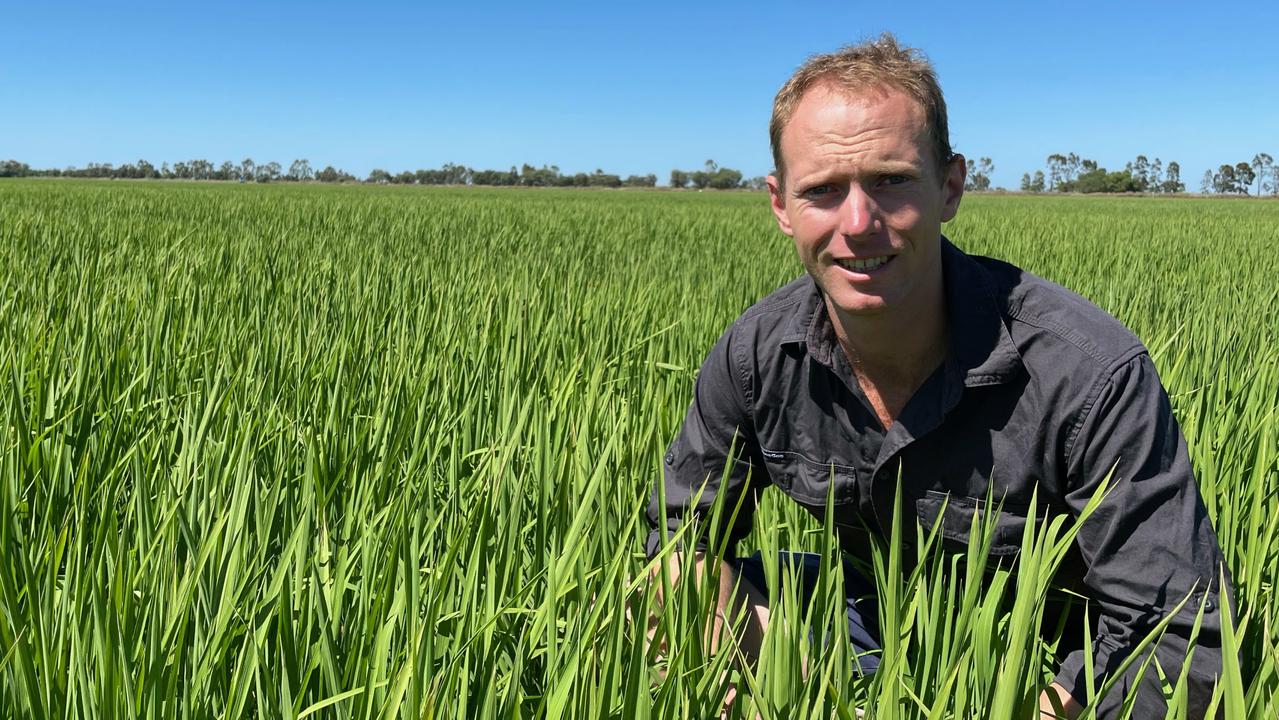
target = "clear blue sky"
x: 628, y: 87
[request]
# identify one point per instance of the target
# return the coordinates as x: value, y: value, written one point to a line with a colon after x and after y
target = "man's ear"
x: 953, y: 186
x: 777, y: 200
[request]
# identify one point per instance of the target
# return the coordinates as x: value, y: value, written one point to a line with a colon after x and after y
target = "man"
x: 899, y: 355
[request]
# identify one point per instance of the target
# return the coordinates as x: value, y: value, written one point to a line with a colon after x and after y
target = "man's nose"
x: 859, y: 213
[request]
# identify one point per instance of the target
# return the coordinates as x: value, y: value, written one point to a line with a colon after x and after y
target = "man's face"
x: 865, y: 200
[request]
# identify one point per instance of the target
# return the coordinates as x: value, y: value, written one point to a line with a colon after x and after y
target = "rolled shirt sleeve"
x: 1147, y: 546
x: 718, y: 424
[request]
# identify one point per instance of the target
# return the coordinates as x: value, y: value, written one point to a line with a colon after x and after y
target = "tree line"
x: 1071, y: 173
x: 713, y: 177
x: 1239, y: 178
x: 1064, y: 173
x: 525, y: 176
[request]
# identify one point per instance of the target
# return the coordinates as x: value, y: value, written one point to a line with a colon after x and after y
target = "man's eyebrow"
x: 892, y: 167
x: 875, y: 169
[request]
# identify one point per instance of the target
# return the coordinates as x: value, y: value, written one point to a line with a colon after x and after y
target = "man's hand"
x: 729, y: 608
x: 1055, y: 702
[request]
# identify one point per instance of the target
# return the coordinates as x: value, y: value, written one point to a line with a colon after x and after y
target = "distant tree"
x: 599, y: 178
x: 1172, y: 182
x: 201, y: 170
x: 1244, y: 176
x: 13, y: 168
x: 247, y: 170
x: 539, y: 177
x: 452, y: 174
x: 1208, y: 183
x: 759, y: 182
x: 300, y: 170
x: 1063, y: 169
x: 640, y: 181
x: 1156, y: 176
x: 1123, y: 182
x: 1070, y: 167
x: 1025, y: 182
x: 1037, y: 182
x: 979, y: 175
x: 1224, y: 180
x: 1056, y: 170
x: 326, y: 175
x: 725, y: 179
x: 1091, y: 181
x: 379, y: 176
x: 269, y: 172
x: 1262, y: 165
x: 461, y: 174
x: 1141, y: 172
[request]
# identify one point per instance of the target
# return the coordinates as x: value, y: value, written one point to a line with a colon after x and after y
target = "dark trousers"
x: 863, y: 610
x: 859, y: 594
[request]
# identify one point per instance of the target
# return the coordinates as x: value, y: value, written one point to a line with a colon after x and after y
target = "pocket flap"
x: 956, y: 515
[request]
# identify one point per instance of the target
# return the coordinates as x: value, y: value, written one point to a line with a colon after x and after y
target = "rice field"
x: 368, y: 452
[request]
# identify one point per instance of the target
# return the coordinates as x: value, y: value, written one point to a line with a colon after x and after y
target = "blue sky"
x: 627, y: 87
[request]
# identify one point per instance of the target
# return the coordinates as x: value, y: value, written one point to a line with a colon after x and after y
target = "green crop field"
x: 377, y: 452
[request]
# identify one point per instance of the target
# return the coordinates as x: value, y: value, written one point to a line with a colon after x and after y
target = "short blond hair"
x: 879, y: 64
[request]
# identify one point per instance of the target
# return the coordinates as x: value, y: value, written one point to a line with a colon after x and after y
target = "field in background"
x: 354, y: 452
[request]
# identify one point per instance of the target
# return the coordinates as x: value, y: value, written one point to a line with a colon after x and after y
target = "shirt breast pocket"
x: 956, y: 514
x: 807, y: 481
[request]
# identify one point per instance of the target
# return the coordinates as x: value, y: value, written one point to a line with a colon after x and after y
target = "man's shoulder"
x: 782, y: 311
x: 1053, y: 319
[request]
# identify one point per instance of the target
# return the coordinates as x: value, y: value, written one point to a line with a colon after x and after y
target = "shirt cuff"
x: 657, y: 539
x: 1070, y: 676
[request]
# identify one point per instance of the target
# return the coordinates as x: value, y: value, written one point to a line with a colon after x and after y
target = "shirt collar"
x: 981, y: 349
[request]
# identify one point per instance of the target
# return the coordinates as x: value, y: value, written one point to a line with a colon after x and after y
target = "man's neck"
x: 893, y: 352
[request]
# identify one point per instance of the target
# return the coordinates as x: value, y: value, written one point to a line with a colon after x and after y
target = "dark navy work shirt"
x: 1040, y: 392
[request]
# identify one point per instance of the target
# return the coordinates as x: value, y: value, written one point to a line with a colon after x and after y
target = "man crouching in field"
x: 897, y: 354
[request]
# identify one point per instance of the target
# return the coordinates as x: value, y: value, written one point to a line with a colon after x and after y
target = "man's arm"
x: 1056, y: 702
x: 714, y: 457
x: 739, y: 604
x: 1148, y: 546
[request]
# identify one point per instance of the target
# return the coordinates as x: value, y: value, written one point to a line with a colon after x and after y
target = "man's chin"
x: 861, y: 306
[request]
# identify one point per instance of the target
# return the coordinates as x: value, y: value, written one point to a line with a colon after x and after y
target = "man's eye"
x: 819, y: 190
x: 895, y: 179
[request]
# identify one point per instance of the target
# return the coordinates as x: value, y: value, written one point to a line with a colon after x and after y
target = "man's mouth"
x: 864, y: 265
